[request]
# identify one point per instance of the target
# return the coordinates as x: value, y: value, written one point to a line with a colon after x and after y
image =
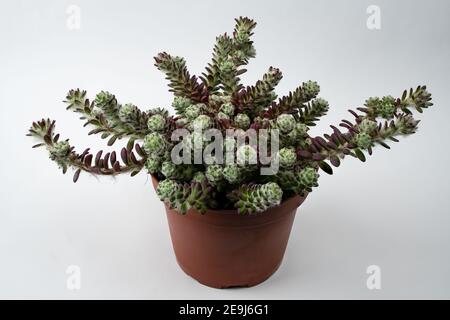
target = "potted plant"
x: 234, y: 163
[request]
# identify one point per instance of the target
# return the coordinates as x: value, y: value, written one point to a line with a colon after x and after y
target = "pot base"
x: 221, y: 285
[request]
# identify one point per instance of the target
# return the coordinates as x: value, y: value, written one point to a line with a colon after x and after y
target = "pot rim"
x: 234, y: 212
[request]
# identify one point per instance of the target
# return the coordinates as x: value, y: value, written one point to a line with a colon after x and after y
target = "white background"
x: 392, y: 211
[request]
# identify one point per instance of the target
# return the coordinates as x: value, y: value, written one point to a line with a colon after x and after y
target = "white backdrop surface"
x: 392, y: 211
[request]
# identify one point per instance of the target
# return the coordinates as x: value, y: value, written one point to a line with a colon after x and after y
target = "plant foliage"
x: 217, y: 99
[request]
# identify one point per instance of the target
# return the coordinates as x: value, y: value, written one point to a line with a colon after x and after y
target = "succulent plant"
x: 199, y: 177
x: 153, y: 165
x: 242, y: 121
x: 363, y: 140
x: 367, y: 126
x: 232, y: 173
x: 228, y: 109
x: 288, y: 157
x: 222, y: 116
x: 156, y: 122
x: 180, y: 104
x: 257, y: 198
x: 214, y: 173
x: 286, y: 122
x: 386, y: 108
x: 155, y: 144
x: 192, y: 112
x: 308, y: 178
x: 218, y: 100
x: 202, y: 122
x: 168, y: 169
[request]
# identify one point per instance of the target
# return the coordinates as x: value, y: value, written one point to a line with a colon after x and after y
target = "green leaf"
x: 130, y: 144
x: 112, y: 140
x: 360, y: 155
x: 135, y: 172
x: 325, y: 167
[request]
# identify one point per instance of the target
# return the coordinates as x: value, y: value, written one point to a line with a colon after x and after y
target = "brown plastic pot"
x: 222, y: 249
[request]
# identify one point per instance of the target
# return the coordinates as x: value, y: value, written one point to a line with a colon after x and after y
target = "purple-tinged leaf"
x: 76, y: 175
x: 98, y: 157
x: 139, y: 150
x: 88, y: 160
x: 106, y: 160
x: 113, y: 158
x: 318, y: 156
x: 133, y: 158
x: 124, y: 155
x: 335, y: 161
x: 304, y: 154
x: 116, y: 166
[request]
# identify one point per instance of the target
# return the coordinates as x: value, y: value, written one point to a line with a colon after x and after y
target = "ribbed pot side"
x: 223, y: 249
